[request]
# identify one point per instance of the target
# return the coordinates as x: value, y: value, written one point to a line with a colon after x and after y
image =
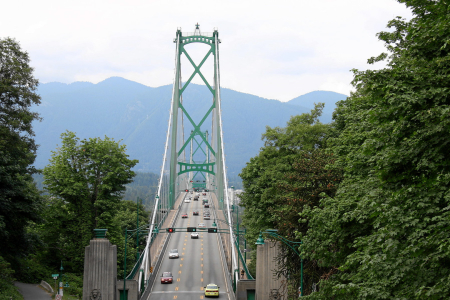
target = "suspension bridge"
x: 193, y: 162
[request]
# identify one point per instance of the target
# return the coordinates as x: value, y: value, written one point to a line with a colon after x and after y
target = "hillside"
x: 137, y: 115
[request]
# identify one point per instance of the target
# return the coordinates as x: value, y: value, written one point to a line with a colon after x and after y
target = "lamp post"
x: 273, y: 233
x: 60, y: 287
x: 239, y: 232
x: 124, y: 295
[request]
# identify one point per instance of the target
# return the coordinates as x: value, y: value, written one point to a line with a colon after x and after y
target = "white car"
x: 173, y: 253
x: 201, y: 226
x: 194, y: 235
x: 187, y: 200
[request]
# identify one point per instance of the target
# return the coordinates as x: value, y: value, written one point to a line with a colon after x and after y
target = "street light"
x: 124, y: 295
x: 273, y: 233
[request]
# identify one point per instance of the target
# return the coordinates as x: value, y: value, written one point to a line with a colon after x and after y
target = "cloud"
x: 274, y: 49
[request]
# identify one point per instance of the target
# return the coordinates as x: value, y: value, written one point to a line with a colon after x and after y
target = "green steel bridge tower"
x: 211, y: 167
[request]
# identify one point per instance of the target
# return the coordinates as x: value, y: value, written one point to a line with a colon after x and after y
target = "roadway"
x: 200, y: 261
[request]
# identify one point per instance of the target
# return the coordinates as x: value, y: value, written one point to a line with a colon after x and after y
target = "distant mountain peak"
x: 116, y: 80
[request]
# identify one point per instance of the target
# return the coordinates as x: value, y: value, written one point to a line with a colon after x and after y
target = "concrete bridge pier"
x: 100, y: 268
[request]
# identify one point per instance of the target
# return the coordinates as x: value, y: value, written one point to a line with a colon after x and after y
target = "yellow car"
x: 211, y: 290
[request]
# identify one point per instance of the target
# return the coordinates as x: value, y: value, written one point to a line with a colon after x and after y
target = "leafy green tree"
x: 90, y: 177
x: 289, y: 173
x: 19, y: 199
x: 386, y: 233
x: 264, y: 173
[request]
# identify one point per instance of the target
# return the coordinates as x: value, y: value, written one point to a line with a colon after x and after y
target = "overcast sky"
x: 273, y: 49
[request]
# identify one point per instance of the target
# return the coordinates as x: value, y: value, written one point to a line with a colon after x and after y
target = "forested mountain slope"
x: 138, y: 115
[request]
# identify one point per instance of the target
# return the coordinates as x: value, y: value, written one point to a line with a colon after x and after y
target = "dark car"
x: 206, y: 205
x: 195, y: 213
x: 196, y: 198
x: 166, y: 277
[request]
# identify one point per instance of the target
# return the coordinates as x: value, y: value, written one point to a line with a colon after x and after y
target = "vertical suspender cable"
x: 224, y: 170
x: 155, y: 211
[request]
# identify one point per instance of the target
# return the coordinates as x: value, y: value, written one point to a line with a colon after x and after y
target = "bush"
x: 7, y: 289
x: 31, y: 271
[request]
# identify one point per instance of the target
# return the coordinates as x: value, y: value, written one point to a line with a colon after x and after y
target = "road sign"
x: 191, y: 229
x: 55, y: 275
x: 58, y: 297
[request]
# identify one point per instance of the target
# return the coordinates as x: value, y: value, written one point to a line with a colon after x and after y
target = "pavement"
x: 199, y: 263
x: 32, y: 291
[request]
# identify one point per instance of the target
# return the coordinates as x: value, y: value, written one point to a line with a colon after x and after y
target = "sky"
x: 273, y: 49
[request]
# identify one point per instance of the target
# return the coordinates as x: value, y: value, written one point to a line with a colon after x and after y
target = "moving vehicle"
x: 212, y: 290
x: 187, y: 200
x: 166, y: 277
x: 196, y: 198
x: 206, y: 217
x: 173, y: 253
x: 195, y: 213
x: 204, y: 194
x: 194, y: 235
x: 201, y: 226
x: 184, y: 215
x: 206, y: 205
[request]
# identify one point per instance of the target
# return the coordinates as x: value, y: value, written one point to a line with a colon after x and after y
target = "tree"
x: 19, y: 198
x: 386, y: 233
x: 90, y: 177
x: 289, y: 173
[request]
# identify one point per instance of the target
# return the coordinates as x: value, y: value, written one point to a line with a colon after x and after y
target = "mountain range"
x: 137, y: 115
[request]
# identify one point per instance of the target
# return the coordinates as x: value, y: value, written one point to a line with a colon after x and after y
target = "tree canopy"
x: 385, y: 234
x: 289, y: 173
x: 19, y: 199
x: 90, y: 176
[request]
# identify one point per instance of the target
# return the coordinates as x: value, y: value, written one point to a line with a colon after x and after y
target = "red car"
x: 166, y: 277
x: 185, y: 215
x: 195, y: 213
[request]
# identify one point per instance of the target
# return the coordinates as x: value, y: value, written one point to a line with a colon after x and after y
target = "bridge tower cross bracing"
x: 212, y: 163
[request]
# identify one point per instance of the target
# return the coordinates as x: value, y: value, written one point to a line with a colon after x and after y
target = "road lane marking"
x: 202, y: 253
x: 201, y: 258
x: 201, y: 288
x: 200, y: 272
x: 201, y: 279
x: 178, y: 279
x: 181, y: 265
x: 201, y: 297
x: 179, y: 272
x: 176, y: 288
x: 201, y: 265
x: 182, y: 258
x: 175, y: 297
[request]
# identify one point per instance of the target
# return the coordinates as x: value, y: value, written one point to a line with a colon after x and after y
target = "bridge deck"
x: 200, y: 260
